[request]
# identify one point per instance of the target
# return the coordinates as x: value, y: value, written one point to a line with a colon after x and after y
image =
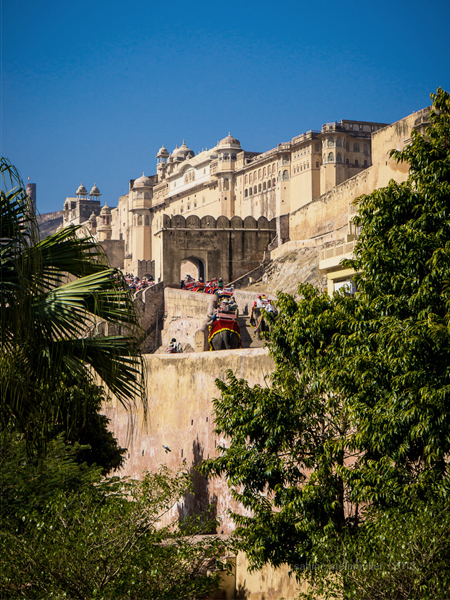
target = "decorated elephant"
x: 224, y: 334
x: 262, y: 319
x: 225, y: 340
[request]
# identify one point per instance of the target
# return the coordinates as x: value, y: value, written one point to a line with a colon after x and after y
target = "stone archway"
x: 194, y: 266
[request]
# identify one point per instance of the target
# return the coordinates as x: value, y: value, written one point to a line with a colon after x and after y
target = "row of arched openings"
x: 257, y: 189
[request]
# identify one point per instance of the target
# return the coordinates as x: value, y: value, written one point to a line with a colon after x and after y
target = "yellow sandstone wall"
x: 180, y: 389
x: 330, y: 211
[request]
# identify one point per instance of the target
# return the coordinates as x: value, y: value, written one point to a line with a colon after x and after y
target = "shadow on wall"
x: 242, y: 592
x: 199, y: 503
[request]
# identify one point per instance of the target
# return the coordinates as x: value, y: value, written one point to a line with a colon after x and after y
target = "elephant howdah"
x: 224, y: 333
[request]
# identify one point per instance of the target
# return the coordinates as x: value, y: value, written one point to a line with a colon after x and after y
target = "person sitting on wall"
x: 220, y: 284
x: 200, y: 285
x: 174, y: 347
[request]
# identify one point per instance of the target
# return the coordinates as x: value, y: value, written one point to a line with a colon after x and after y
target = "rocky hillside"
x: 285, y: 273
x: 49, y: 223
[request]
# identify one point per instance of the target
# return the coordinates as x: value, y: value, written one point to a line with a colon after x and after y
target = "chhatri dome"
x: 81, y: 191
x: 142, y: 181
x: 163, y: 152
x: 95, y: 191
x: 229, y: 142
x: 183, y: 152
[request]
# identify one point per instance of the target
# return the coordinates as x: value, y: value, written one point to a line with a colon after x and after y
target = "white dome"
x: 95, y: 191
x: 142, y: 181
x: 229, y: 142
x: 163, y: 152
x: 81, y: 191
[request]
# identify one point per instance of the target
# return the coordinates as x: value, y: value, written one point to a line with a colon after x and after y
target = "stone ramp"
x: 248, y: 338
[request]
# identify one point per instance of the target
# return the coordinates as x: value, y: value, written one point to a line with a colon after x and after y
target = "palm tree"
x: 52, y: 294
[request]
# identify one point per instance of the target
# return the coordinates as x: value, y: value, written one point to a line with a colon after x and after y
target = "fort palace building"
x: 224, y: 210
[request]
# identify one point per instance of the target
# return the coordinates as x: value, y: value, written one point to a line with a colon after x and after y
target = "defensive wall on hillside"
x: 179, y: 390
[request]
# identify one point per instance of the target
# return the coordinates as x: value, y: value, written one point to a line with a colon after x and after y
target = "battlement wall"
x: 209, y: 222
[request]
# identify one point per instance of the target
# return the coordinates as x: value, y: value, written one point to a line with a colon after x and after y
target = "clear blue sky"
x: 91, y: 90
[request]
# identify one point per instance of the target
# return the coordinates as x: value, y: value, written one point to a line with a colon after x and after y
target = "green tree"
x: 356, y: 417
x: 394, y: 371
x: 52, y: 293
x: 68, y: 533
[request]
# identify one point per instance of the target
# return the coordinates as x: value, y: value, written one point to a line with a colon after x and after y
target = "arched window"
x: 147, y: 220
x: 139, y: 220
x: 356, y: 162
x: 259, y: 173
x: 269, y: 184
x: 365, y: 163
x: 365, y: 148
x: 285, y: 159
x: 245, y: 179
x: 226, y: 185
x: 185, y: 178
x: 274, y: 183
x: 338, y: 157
x: 339, y: 142
x: 330, y: 157
x: 250, y: 191
x: 330, y: 142
x: 264, y: 172
x: 264, y: 186
x: 285, y: 175
x: 324, y: 157
x: 245, y: 193
x: 255, y: 189
x: 181, y: 209
x: 355, y: 147
x: 317, y: 164
x: 259, y: 188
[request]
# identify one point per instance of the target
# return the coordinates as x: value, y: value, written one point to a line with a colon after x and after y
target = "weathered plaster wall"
x: 267, y: 583
x: 180, y: 389
x: 115, y: 250
x: 184, y: 315
x: 149, y: 305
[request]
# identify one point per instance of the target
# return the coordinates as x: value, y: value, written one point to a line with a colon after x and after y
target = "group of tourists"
x: 214, y: 286
x: 261, y: 303
x: 226, y: 309
x: 135, y: 284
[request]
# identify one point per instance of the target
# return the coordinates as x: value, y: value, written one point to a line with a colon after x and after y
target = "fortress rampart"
x: 180, y: 389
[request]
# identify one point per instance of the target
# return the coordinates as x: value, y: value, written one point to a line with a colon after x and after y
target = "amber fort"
x: 236, y: 214
x: 227, y: 209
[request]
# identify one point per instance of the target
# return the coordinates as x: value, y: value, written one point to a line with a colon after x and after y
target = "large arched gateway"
x: 222, y: 247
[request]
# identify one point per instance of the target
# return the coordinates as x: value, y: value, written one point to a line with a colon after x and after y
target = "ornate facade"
x: 301, y: 189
